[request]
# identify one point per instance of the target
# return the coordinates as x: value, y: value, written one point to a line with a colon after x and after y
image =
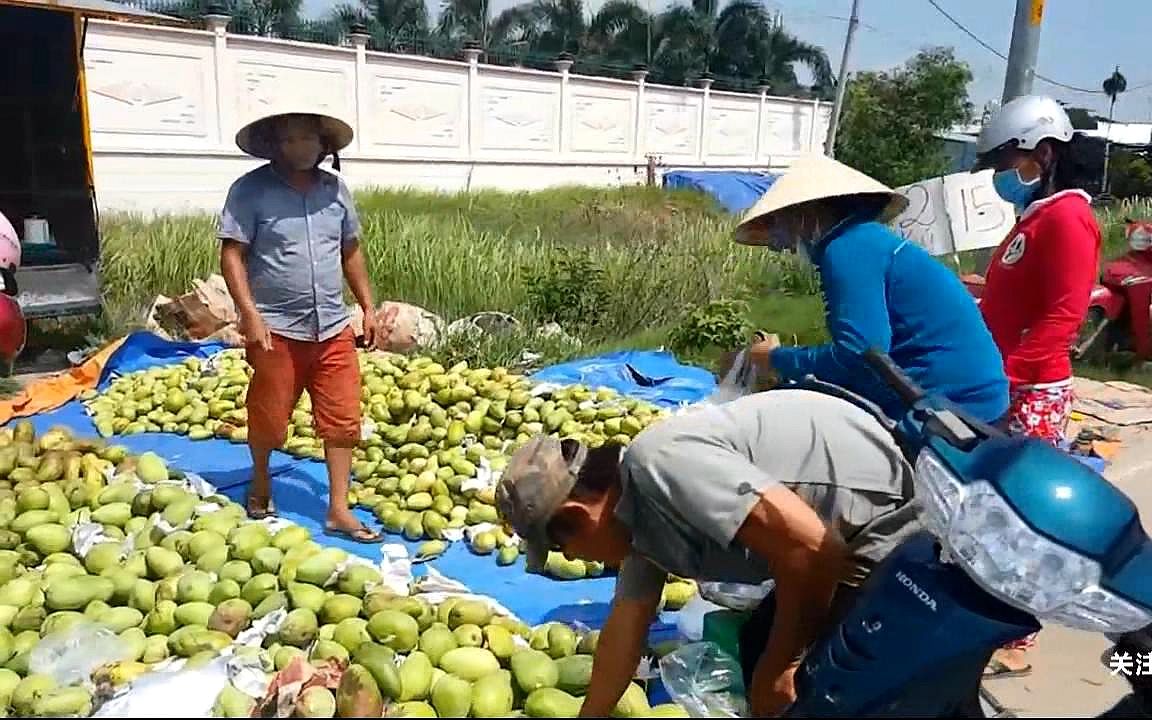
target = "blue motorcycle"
x: 1015, y: 532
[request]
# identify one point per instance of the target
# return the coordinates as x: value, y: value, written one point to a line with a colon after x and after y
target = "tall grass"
x: 1112, y: 219
x: 658, y: 253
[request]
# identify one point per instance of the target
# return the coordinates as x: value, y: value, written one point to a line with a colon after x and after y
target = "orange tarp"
x: 51, y: 392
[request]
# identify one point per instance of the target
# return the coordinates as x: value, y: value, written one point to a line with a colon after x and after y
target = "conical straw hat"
x: 255, y: 140
x: 813, y: 177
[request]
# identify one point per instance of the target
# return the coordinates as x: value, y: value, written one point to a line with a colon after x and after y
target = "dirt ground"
x: 1070, y: 678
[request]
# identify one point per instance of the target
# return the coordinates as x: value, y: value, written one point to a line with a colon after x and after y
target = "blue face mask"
x: 1010, y: 186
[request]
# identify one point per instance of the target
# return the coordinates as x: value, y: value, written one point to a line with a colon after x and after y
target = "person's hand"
x: 370, y: 329
x: 770, y: 695
x: 255, y: 331
x: 761, y: 352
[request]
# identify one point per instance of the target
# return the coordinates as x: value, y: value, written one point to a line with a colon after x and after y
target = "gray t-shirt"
x: 295, y: 246
x: 690, y: 481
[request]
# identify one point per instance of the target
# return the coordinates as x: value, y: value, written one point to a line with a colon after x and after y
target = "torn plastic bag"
x: 738, y: 382
x: 736, y: 596
x: 180, y: 693
x: 705, y: 681
x: 70, y: 656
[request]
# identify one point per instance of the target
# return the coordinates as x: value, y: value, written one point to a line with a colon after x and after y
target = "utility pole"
x: 1024, y: 50
x: 842, y: 82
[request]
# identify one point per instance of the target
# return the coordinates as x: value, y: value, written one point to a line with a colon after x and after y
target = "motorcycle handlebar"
x: 894, y: 377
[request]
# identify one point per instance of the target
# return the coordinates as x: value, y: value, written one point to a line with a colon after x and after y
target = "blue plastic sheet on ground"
x: 734, y: 191
x: 142, y: 350
x: 300, y: 489
x: 655, y: 376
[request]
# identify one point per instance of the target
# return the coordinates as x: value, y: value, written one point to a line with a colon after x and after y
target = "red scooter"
x: 1120, y: 308
x: 1120, y: 311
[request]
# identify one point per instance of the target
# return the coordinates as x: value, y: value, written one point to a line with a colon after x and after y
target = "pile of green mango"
x: 177, y: 575
x: 677, y: 590
x: 434, y: 439
x: 456, y: 659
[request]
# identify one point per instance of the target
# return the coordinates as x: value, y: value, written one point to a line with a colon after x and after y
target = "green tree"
x: 274, y: 17
x: 513, y: 30
x: 395, y: 25
x: 891, y: 119
x: 621, y: 33
x: 1130, y: 174
x: 755, y: 44
x: 686, y: 46
x: 464, y: 20
x: 741, y: 41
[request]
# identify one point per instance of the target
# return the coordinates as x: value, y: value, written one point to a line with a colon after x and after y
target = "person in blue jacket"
x: 880, y: 290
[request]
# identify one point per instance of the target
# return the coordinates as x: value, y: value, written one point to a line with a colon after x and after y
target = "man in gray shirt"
x: 802, y: 487
x: 290, y: 236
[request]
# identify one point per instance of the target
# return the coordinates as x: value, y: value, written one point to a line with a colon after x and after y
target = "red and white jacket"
x: 1038, y: 287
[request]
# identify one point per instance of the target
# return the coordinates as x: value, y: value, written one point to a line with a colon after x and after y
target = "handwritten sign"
x: 980, y: 218
x: 925, y: 221
x: 955, y: 213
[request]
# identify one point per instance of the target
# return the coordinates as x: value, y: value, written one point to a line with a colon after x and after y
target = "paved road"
x: 1069, y: 679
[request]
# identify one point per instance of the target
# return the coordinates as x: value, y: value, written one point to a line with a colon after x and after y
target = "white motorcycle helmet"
x: 9, y: 245
x: 1023, y: 123
x: 10, y: 255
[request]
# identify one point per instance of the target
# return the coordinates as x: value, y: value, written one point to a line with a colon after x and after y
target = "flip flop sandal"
x: 996, y: 670
x: 255, y: 512
x: 362, y: 534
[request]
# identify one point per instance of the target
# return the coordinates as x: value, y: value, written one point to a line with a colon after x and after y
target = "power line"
x: 1004, y: 57
x: 797, y: 15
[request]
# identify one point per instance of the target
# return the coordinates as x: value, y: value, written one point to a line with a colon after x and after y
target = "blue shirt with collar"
x: 295, y: 242
x: 883, y: 291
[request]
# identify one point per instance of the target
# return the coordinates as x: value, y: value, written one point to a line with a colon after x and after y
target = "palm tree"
x: 775, y: 53
x: 686, y: 46
x: 274, y: 17
x: 401, y: 20
x: 465, y: 20
x: 741, y: 41
x: 621, y: 33
x: 1113, y: 87
x: 563, y: 25
x: 395, y: 25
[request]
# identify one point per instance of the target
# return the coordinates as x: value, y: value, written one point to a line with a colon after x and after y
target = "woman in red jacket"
x: 1039, y: 281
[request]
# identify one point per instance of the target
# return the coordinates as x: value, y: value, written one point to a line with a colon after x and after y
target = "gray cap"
x: 536, y: 482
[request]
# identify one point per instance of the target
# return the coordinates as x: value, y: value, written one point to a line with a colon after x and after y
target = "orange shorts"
x: 329, y: 370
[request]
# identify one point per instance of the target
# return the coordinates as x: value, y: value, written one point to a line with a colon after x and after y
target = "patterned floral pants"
x: 1040, y: 411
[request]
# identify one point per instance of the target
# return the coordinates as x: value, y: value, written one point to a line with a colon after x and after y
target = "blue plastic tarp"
x: 655, y: 376
x: 734, y: 191
x: 652, y: 375
x: 300, y: 487
x: 142, y: 350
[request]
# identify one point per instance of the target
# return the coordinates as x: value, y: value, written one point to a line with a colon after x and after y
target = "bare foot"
x: 1008, y: 663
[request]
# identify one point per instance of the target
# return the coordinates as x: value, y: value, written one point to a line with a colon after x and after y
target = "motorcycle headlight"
x: 983, y: 534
